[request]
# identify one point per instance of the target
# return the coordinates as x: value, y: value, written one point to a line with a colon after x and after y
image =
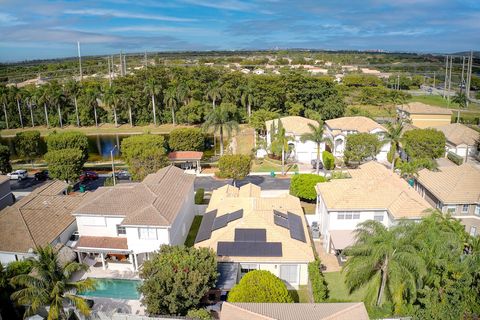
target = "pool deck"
x: 98, y: 272
x: 109, y: 306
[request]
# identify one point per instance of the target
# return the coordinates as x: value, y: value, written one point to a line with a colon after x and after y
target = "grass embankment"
x: 302, y: 295
x: 338, y: 291
x: 438, y: 101
x: 268, y: 165
x: 104, y: 128
x: 192, y: 233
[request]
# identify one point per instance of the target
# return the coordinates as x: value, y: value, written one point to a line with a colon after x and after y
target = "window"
x: 247, y: 267
x: 356, y: 216
x: 348, y: 215
x: 147, y: 233
x: 378, y: 217
x: 465, y: 208
x: 121, y: 230
x: 473, y: 231
x: 341, y: 215
x: 451, y: 209
x: 477, y: 209
x: 289, y: 273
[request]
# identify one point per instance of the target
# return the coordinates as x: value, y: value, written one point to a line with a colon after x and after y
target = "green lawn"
x: 302, y: 295
x: 440, y: 102
x: 338, y: 290
x: 377, y: 111
x: 192, y: 234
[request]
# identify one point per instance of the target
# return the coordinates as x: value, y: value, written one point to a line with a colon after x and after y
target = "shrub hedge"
x: 317, y: 280
x: 455, y: 158
x: 328, y: 160
x: 199, y: 194
x: 303, y: 186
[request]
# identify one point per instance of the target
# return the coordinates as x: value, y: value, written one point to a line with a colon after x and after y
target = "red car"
x: 88, y: 175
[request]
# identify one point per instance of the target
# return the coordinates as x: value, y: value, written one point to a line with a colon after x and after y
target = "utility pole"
x: 450, y: 79
x: 446, y: 75
x: 80, y: 60
x: 121, y: 64
x: 434, y: 74
x: 463, y: 79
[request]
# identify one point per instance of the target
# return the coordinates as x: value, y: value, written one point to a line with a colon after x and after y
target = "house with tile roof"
x: 453, y: 189
x: 295, y: 127
x: 423, y: 115
x: 43, y: 217
x: 293, y: 311
x: 461, y: 139
x: 372, y: 193
x: 338, y: 129
x: 250, y: 232
x: 119, y: 226
x: 6, y: 196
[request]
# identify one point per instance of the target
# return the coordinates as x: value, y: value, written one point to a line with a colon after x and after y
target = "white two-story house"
x: 372, y: 193
x: 338, y: 129
x: 119, y: 226
x: 295, y: 127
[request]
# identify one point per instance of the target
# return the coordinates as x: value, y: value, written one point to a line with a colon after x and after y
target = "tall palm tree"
x: 183, y: 93
x: 247, y: 99
x: 222, y: 120
x: 56, y: 98
x: 72, y: 89
x: 4, y: 101
x: 49, y: 285
x: 110, y: 100
x: 385, y: 262
x: 461, y: 99
x: 394, y: 135
x: 30, y: 100
x: 170, y: 100
x: 41, y: 97
x: 18, y: 96
x: 91, y: 98
x: 214, y: 94
x: 280, y: 138
x: 315, y: 135
x: 128, y: 100
x: 153, y: 89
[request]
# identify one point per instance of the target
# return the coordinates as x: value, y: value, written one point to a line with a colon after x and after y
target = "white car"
x: 18, y: 175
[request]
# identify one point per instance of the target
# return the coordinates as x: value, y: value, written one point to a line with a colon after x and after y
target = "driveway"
x: 27, y: 184
x: 265, y: 182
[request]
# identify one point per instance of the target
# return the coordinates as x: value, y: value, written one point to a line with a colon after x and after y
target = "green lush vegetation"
x: 235, y: 166
x: 318, y: 282
x: 424, y: 143
x: 303, y: 186
x: 302, y: 295
x: 360, y: 147
x: 328, y: 160
x: 176, y: 278
x: 192, y: 233
x: 199, y: 194
x: 260, y: 286
x: 5, y: 166
x: 186, y: 139
x: 338, y: 290
x: 455, y: 158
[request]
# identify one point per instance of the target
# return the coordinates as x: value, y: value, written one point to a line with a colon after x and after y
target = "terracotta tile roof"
x: 373, y: 187
x: 37, y: 219
x: 359, y: 124
x: 249, y: 190
x: 293, y: 311
x: 293, y: 124
x: 102, y: 243
x: 457, y: 134
x: 155, y: 201
x: 453, y: 184
x: 185, y: 155
x: 422, y: 108
x: 258, y: 213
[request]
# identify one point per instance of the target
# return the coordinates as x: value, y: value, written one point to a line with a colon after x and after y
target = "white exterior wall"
x: 181, y: 225
x: 98, y: 226
x: 304, y: 152
x: 138, y: 245
x: 302, y: 269
x: 65, y: 235
x: 7, y: 257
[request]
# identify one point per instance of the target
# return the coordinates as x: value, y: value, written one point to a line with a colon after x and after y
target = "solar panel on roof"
x: 220, y: 222
x: 235, y: 215
x: 280, y: 220
x: 205, y: 230
x: 250, y: 235
x: 296, y: 227
x: 280, y: 214
x: 249, y: 249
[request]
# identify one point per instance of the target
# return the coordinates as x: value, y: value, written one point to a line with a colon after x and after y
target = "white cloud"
x: 7, y: 19
x: 233, y: 5
x: 123, y: 14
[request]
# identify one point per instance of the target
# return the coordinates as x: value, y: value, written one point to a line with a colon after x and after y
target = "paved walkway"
x: 327, y: 259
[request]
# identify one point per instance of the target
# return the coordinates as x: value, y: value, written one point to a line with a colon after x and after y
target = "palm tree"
x: 222, y: 120
x: 170, y: 100
x: 110, y: 100
x: 4, y: 101
x: 49, y: 285
x: 153, y: 90
x: 315, y: 135
x: 385, y: 262
x: 72, y: 90
x: 18, y: 96
x: 56, y: 97
x: 91, y: 98
x: 183, y: 93
x: 129, y: 100
x: 394, y: 135
x: 461, y: 99
x: 214, y: 94
x: 41, y: 97
x: 30, y: 99
x: 247, y: 99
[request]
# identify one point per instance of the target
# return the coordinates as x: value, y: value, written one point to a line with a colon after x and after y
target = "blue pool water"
x: 115, y: 289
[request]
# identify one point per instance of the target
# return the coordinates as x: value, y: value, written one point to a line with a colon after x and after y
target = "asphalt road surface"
x: 265, y: 182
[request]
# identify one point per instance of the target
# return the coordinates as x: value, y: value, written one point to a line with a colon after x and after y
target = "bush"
x: 328, y: 160
x: 260, y: 286
x: 199, y: 194
x: 303, y: 186
x: 5, y: 166
x: 360, y: 147
x: 199, y: 314
x: 27, y: 144
x: 65, y: 164
x: 424, y: 143
x: 235, y: 166
x: 455, y: 158
x: 68, y: 140
x: 317, y: 280
x: 186, y: 139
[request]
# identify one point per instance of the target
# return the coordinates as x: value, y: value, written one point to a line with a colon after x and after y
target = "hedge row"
x: 317, y: 280
x: 199, y: 195
x: 303, y: 186
x: 455, y: 158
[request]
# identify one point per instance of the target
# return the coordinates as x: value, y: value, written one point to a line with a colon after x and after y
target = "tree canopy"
x: 68, y: 140
x: 5, y: 165
x: 186, y: 139
x: 65, y: 164
x: 27, y: 144
x: 176, y: 278
x: 360, y: 147
x: 235, y: 166
x: 303, y: 186
x: 424, y: 143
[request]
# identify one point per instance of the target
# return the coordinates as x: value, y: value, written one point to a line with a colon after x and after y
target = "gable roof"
x: 358, y: 123
x: 373, y: 187
x: 258, y: 212
x: 293, y: 311
x: 458, y: 133
x: 293, y: 124
x: 453, y: 184
x: 37, y: 219
x: 422, y: 108
x: 155, y: 201
x: 185, y: 155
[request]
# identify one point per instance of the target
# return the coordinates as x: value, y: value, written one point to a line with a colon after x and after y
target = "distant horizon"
x: 41, y: 29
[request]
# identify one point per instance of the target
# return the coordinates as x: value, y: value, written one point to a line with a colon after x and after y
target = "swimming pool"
x: 115, y: 289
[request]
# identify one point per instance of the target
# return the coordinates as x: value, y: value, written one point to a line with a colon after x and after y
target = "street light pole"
x: 113, y: 165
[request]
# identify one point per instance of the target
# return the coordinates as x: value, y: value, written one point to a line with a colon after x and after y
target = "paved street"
x: 265, y: 182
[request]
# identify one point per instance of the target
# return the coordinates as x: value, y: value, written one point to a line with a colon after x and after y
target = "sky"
x: 37, y: 29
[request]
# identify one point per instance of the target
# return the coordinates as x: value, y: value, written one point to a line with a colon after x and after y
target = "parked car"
x: 18, y: 175
x: 314, y: 164
x: 88, y: 175
x: 122, y: 174
x: 41, y: 175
